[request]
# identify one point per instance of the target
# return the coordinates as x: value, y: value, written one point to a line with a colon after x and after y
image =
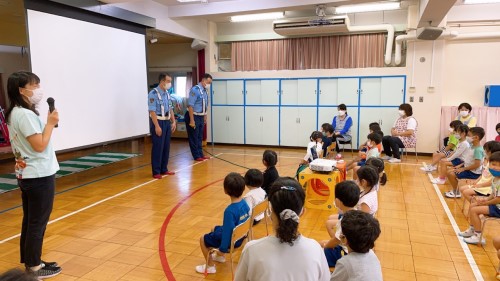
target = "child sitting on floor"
x: 255, y: 195
x: 489, y: 206
x: 445, y: 151
x: 236, y: 213
x: 360, y: 230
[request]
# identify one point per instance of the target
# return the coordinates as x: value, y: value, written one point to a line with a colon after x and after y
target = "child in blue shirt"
x: 236, y: 213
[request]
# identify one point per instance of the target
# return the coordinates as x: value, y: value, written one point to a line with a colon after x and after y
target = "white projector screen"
x: 97, y: 76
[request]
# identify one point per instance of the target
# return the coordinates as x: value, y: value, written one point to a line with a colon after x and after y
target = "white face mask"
x: 469, y: 139
x: 401, y: 113
x: 457, y: 136
x: 168, y: 86
x: 37, y: 96
x: 464, y: 113
x: 341, y: 112
x: 450, y: 130
x: 207, y: 87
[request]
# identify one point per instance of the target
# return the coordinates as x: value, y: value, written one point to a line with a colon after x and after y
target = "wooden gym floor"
x: 115, y: 222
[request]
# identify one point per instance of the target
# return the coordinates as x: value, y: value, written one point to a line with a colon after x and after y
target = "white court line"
x: 103, y: 200
x: 467, y: 252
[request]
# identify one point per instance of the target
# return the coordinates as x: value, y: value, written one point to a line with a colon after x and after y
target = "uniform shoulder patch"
x: 192, y: 94
x: 151, y: 100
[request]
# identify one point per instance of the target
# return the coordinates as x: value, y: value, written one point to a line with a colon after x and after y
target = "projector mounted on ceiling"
x: 311, y: 26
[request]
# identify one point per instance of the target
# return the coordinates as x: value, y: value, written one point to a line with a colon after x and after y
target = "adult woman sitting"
x: 341, y: 126
x: 288, y: 255
x: 403, y: 134
x: 465, y: 116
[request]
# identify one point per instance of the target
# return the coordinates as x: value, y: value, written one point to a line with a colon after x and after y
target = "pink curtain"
x: 327, y: 52
x: 487, y: 118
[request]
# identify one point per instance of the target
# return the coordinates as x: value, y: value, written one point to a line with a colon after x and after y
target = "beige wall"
x: 468, y: 67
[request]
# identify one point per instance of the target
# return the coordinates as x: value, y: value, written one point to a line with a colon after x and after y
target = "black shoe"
x: 47, y: 272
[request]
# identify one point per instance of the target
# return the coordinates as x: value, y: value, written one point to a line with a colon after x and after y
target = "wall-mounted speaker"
x: 198, y: 44
x: 429, y: 33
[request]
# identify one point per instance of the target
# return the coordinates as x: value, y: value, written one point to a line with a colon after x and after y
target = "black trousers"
x: 337, y: 140
x: 392, y: 145
x: 38, y: 199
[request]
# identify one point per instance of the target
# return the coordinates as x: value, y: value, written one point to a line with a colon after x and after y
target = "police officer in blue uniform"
x: 196, y: 116
x: 161, y: 125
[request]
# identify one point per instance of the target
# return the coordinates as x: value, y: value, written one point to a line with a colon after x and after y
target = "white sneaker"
x: 468, y: 233
x: 209, y: 269
x: 218, y: 258
x: 452, y: 194
x: 394, y: 160
x: 438, y: 181
x: 428, y: 168
x: 474, y: 239
x: 386, y: 157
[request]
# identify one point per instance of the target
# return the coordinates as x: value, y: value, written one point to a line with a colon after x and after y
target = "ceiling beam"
x: 248, y: 7
x: 100, y: 8
x: 434, y: 11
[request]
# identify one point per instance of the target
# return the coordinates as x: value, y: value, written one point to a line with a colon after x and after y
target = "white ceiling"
x: 221, y: 10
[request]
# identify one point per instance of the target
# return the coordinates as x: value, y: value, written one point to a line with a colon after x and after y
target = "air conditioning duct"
x: 311, y: 26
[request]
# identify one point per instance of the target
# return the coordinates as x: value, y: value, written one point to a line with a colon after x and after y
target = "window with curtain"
x: 327, y: 52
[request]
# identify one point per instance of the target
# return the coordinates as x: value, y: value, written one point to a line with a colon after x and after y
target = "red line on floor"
x: 163, y: 255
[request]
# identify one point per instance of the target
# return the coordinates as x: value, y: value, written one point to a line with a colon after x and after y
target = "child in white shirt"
x: 314, y: 148
x: 255, y: 195
x: 368, y: 180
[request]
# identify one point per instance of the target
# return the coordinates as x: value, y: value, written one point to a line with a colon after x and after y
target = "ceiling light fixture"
x: 481, y: 1
x: 349, y: 9
x: 256, y: 17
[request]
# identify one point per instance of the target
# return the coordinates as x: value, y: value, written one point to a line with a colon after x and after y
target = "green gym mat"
x: 8, y: 182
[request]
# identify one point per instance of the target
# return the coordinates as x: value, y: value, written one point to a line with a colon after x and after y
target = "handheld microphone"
x: 51, y: 102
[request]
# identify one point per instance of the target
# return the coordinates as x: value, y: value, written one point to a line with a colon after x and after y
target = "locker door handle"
x: 278, y: 92
x: 315, y: 92
x: 320, y: 92
x: 299, y: 120
x: 262, y: 118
